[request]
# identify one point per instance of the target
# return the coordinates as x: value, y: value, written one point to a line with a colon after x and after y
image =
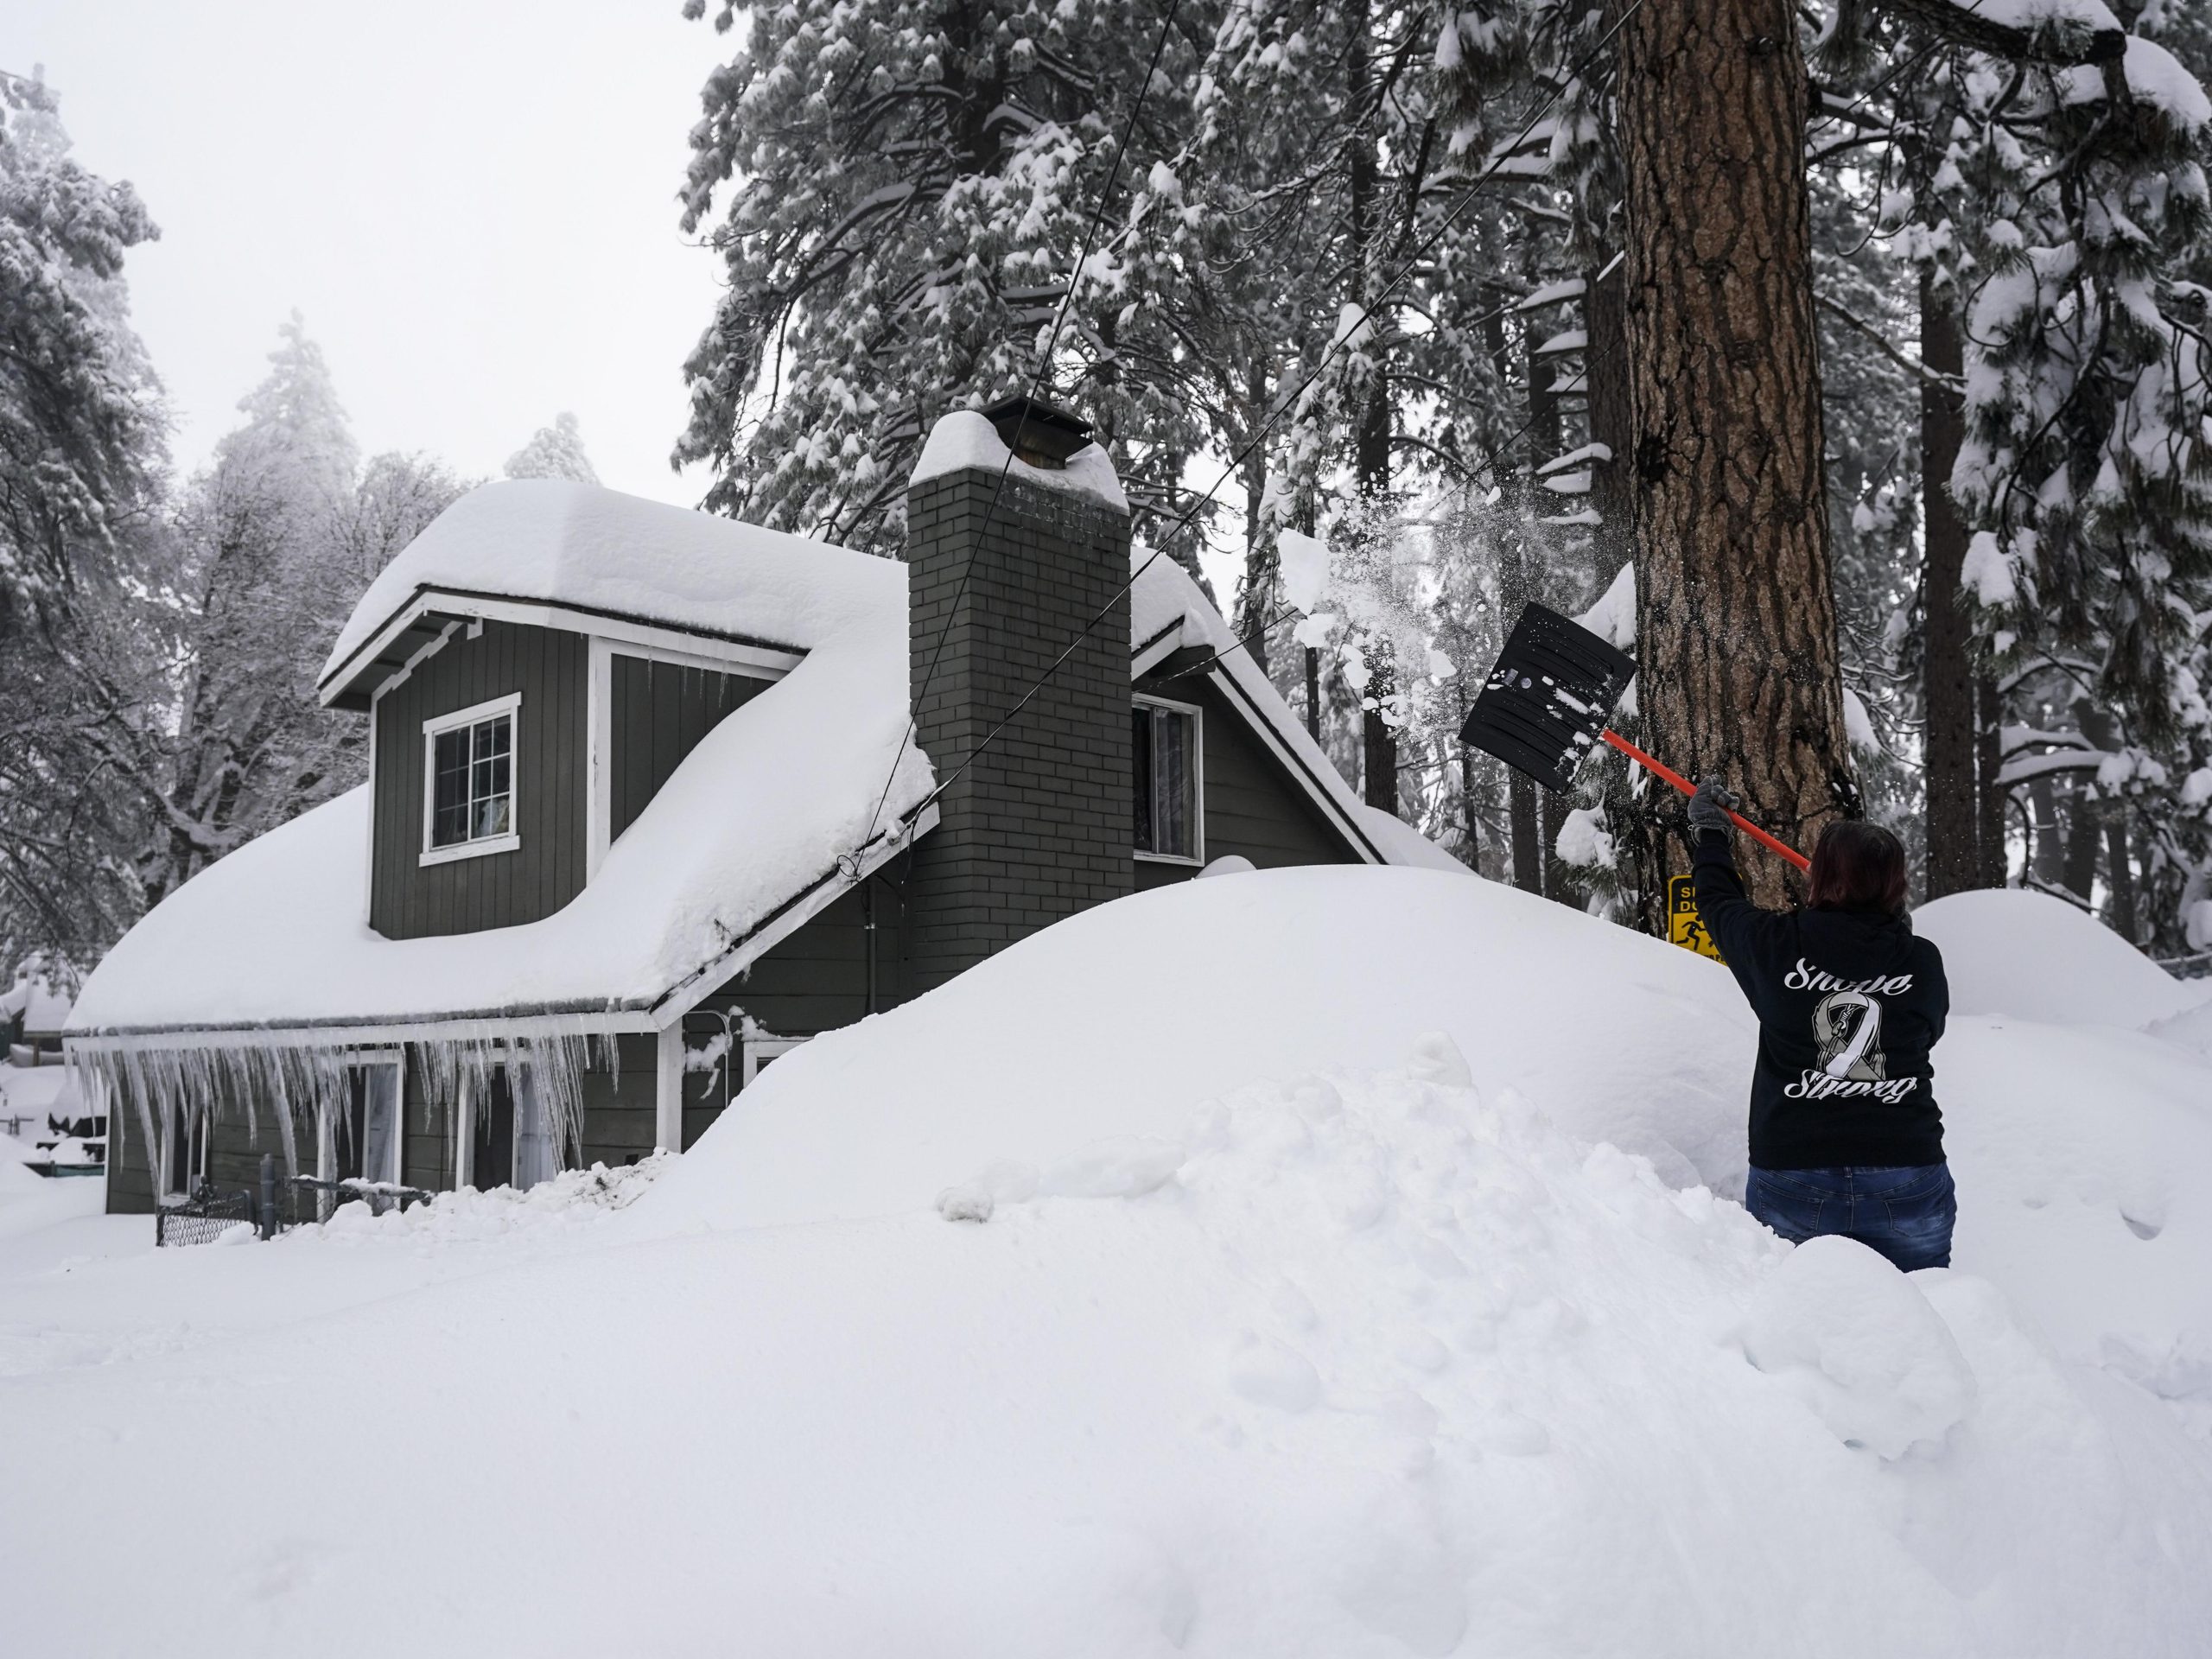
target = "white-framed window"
x: 184, y: 1151
x: 469, y: 781
x: 760, y: 1051
x: 1170, y: 781
x: 508, y: 1135
x: 360, y: 1139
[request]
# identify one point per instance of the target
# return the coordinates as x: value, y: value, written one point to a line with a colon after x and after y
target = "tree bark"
x: 2085, y: 831
x: 1521, y: 831
x: 1737, y: 659
x: 1606, y: 370
x: 1371, y: 447
x: 2048, y: 852
x: 2120, y: 871
x: 1954, y: 863
x: 1989, y: 759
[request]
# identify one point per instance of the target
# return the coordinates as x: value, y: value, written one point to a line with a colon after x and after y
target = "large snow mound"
x: 1124, y: 1019
x: 599, y: 550
x: 2036, y: 957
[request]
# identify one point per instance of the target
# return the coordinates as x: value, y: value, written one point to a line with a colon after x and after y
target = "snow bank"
x: 1380, y: 1364
x: 964, y: 439
x: 1124, y: 1019
x: 273, y: 934
x: 2079, y: 1148
x: 578, y: 544
x: 2026, y: 954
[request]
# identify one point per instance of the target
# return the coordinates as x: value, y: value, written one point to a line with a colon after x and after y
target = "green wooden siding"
x: 1253, y: 805
x: 660, y: 712
x: 409, y: 900
x: 813, y: 982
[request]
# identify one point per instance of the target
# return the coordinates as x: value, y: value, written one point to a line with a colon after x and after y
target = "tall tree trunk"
x: 2085, y: 834
x: 1989, y: 760
x: 1606, y: 370
x: 2120, y: 871
x: 1522, y: 832
x: 1544, y: 444
x: 1522, y: 826
x: 1371, y: 457
x: 1954, y: 862
x: 1738, y: 670
x: 2048, y: 853
x: 1313, y: 693
x: 1262, y: 564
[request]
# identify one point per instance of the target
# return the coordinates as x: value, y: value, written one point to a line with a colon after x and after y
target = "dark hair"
x: 1857, y: 867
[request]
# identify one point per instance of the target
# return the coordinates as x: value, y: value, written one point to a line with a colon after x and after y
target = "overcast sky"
x: 471, y: 201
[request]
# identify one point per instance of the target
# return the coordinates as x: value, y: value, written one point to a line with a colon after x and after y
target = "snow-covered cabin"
x: 647, y: 809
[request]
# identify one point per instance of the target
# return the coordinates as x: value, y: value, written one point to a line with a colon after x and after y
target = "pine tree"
x: 81, y: 426
x: 908, y: 183
x: 555, y: 451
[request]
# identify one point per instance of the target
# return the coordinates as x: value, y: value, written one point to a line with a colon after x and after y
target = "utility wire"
x: 1036, y: 379
x: 1343, y: 336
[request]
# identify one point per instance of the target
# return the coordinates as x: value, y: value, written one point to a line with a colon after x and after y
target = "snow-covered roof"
x: 599, y: 552
x: 272, y: 937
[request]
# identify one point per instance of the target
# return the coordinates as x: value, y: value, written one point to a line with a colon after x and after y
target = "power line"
x: 1036, y: 379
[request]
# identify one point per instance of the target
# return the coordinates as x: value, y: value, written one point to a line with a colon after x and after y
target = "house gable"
x: 480, y: 663
x: 1252, y: 807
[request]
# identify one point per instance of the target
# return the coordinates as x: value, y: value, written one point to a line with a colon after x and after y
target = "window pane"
x: 448, y: 788
x: 1140, y: 756
x: 380, y: 1121
x: 492, y: 817
x: 1171, y: 771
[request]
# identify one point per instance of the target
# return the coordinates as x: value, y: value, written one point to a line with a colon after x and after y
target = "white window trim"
x: 176, y: 1121
x: 1197, y: 781
x: 464, y: 1154
x: 509, y: 705
x: 760, y: 1049
x: 325, y: 1149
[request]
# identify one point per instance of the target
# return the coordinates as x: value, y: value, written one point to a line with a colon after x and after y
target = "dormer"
x: 535, y: 670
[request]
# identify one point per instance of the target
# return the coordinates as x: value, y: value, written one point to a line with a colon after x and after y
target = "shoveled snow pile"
x: 1250, y: 1268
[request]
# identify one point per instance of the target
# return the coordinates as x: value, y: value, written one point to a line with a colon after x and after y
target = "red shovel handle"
x: 1683, y: 784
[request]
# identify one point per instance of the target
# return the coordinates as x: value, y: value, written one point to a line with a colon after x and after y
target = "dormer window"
x: 468, y: 793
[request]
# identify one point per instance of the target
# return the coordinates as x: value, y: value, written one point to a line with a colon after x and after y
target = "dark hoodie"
x: 1849, y: 1002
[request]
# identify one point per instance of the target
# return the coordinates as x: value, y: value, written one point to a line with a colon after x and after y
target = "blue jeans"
x: 1905, y: 1213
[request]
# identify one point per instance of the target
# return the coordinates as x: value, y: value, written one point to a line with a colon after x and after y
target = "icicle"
x: 160, y: 1080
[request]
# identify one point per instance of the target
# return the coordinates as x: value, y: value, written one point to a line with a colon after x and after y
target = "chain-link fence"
x: 203, y: 1218
x: 279, y: 1205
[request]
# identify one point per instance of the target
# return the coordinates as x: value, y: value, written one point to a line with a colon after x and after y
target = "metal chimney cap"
x: 1040, y: 433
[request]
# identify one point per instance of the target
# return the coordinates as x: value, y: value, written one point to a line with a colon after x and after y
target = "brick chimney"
x: 1037, y: 827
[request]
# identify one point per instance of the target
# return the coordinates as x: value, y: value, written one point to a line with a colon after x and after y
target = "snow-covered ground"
x: 1325, y: 1261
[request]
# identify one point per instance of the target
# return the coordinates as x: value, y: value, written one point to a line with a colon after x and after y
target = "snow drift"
x: 1307, y: 1303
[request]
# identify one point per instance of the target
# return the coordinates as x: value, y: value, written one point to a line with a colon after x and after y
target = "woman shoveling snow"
x: 1845, y: 1132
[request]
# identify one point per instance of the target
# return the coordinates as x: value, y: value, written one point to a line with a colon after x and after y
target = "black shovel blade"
x: 1548, y: 698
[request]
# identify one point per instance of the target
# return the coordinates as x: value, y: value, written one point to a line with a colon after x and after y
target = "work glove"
x: 1710, y: 806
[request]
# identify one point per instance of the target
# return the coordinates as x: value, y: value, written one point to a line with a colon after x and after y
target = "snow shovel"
x: 1545, y: 705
